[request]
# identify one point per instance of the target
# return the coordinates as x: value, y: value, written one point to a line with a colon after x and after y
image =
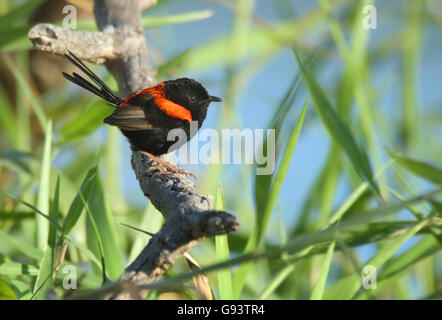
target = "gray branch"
x: 120, y: 44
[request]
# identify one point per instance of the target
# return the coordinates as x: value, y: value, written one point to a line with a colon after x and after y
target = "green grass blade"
x: 101, y: 234
x: 21, y: 246
x: 77, y: 205
x: 23, y: 112
x: 46, y: 273
x: 158, y: 21
x: 222, y: 254
x: 16, y: 159
x: 262, y: 220
x: 263, y: 182
x: 38, y: 109
x: 18, y: 14
x: 347, y: 287
x: 410, y: 63
x: 355, y: 195
x: 424, y: 248
x: 336, y: 127
x: 276, y: 186
x: 44, y: 277
x: 95, y: 243
x: 419, y: 168
x: 81, y: 126
x: 319, y: 286
x: 279, y: 278
x: 318, y: 237
x: 6, y: 290
x: 402, y: 264
x: 8, y: 119
x: 13, y: 268
x: 30, y: 206
x: 22, y: 289
x: 151, y: 221
x: 12, y: 38
x: 54, y: 213
x: 260, y: 41
x: 42, y: 225
x: 59, y: 228
x: 329, y: 181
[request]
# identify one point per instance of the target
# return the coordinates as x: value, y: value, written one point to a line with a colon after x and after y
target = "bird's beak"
x: 214, y: 99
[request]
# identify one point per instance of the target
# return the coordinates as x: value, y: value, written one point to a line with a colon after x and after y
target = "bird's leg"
x: 165, y: 165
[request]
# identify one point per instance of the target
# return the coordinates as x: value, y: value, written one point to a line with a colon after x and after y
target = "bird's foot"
x: 164, y: 165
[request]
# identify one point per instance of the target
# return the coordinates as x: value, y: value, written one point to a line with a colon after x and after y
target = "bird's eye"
x: 193, y: 98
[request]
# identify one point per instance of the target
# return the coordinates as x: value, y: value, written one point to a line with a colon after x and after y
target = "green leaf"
x: 319, y: 286
x: 437, y: 207
x: 399, y: 265
x: 77, y: 205
x: 14, y: 269
x: 60, y: 229
x: 46, y: 273
x: 44, y: 277
x: 38, y: 109
x: 222, y: 254
x: 100, y: 229
x: 263, y: 182
x: 16, y: 158
x: 42, y: 225
x: 277, y: 183
x: 21, y: 289
x: 411, y: 48
x: 151, y: 221
x: 27, y: 204
x: 6, y: 291
x: 21, y: 246
x: 419, y: 168
x: 263, y: 217
x: 336, y: 127
x: 158, y: 21
x: 355, y: 195
x: 260, y: 41
x: 7, y: 120
x: 81, y: 126
x: 279, y: 278
x: 10, y: 38
x: 348, y: 286
x: 427, y: 246
x: 19, y: 14
x: 303, y: 241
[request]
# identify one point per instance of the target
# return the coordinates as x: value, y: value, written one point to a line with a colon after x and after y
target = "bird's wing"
x: 130, y: 118
x: 142, y: 111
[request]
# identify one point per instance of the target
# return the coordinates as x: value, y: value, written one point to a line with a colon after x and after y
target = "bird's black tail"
x: 102, y: 90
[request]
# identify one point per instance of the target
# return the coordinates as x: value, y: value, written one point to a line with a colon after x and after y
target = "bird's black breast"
x: 153, y: 141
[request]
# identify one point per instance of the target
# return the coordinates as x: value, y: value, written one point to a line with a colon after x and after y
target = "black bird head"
x: 191, y: 95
